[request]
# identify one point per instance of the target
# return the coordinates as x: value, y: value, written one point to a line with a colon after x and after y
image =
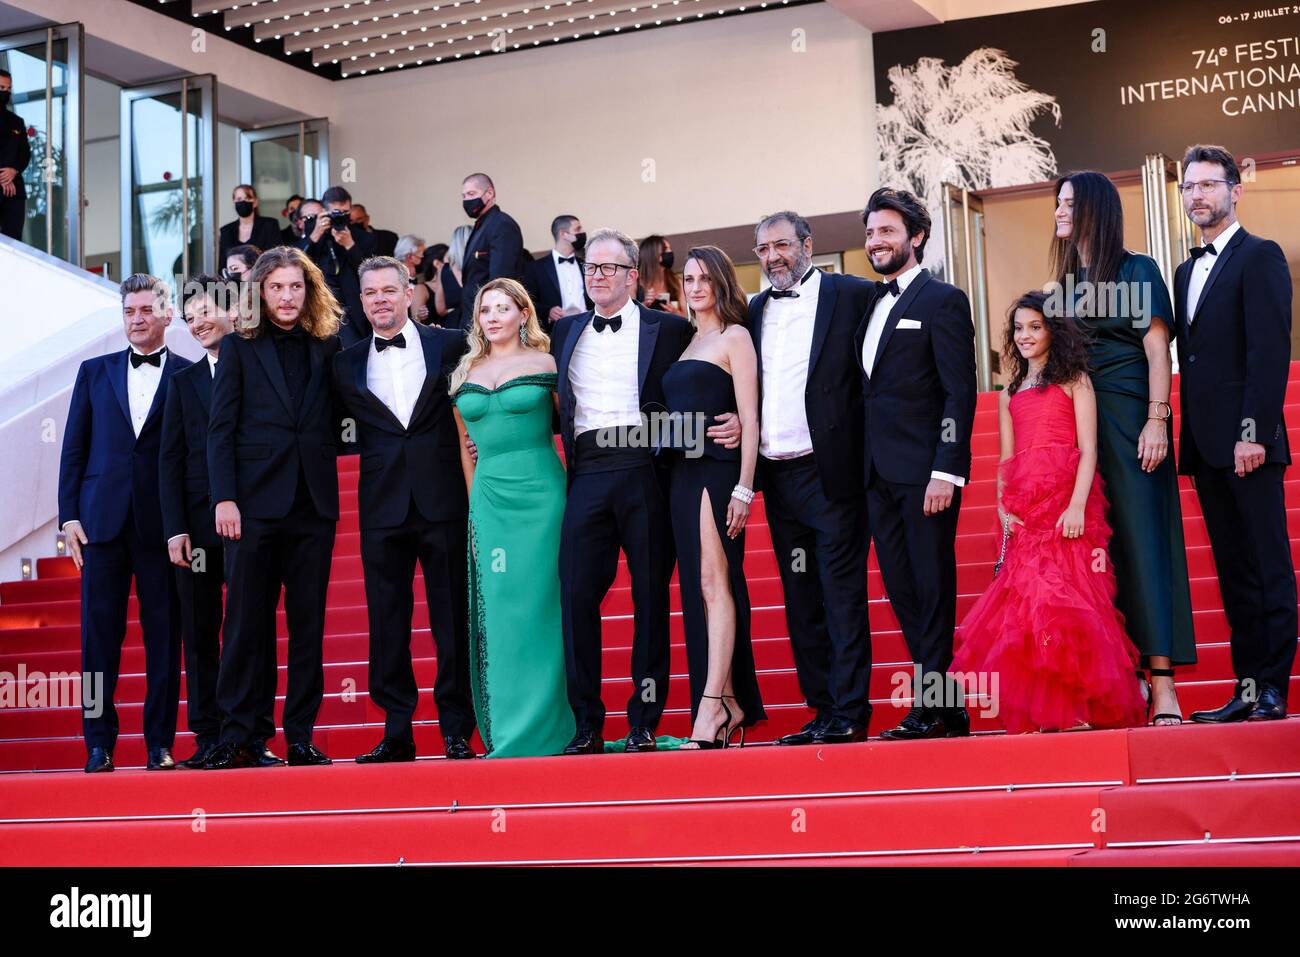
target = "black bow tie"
x: 568, y: 259
x: 154, y: 359
x: 891, y: 288
x: 1206, y: 250
x: 785, y: 293
x: 381, y: 344
x: 600, y: 322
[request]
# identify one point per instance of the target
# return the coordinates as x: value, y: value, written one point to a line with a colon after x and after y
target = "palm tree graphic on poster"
x: 968, y: 125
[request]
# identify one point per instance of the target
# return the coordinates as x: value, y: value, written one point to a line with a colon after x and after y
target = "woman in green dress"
x: 504, y: 390
x: 1120, y: 299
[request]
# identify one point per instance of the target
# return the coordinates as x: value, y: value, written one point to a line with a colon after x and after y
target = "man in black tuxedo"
x: 1232, y: 308
x: 495, y: 247
x: 810, y: 472
x: 611, y: 361
x: 916, y: 346
x: 338, y: 247
x: 555, y: 280
x: 108, y: 510
x: 272, y: 440
x: 413, y: 507
x: 210, y: 306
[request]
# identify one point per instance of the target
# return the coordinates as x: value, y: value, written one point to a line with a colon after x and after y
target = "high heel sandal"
x: 728, y: 729
x: 1147, y: 694
x: 1176, y: 719
x: 717, y: 742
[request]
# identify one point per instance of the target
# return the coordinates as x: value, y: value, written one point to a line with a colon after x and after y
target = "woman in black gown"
x: 712, y: 488
x: 1129, y: 362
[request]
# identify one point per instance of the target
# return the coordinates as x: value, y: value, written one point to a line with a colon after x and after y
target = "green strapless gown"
x: 516, y: 507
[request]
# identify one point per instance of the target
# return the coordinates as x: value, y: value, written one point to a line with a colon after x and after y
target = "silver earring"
x: 523, y: 335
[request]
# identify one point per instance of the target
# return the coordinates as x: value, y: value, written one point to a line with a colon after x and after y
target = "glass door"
x: 964, y: 267
x: 47, y: 96
x: 169, y: 163
x: 1169, y: 232
x: 281, y: 161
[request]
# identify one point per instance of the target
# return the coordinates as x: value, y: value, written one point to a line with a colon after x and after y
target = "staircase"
x: 1181, y: 796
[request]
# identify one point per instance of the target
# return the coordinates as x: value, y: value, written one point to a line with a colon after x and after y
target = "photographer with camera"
x: 338, y: 247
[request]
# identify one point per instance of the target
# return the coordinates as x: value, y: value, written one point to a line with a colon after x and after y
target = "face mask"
x: 4, y: 99
x: 473, y: 206
x: 244, y: 208
x: 666, y: 259
x: 579, y: 241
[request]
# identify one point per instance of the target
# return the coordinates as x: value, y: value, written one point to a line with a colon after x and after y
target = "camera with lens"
x: 340, y: 218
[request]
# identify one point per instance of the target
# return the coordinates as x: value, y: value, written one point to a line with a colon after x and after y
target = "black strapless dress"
x: 698, y: 390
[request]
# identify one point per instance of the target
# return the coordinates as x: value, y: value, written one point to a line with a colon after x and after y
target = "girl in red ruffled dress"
x: 1047, y: 624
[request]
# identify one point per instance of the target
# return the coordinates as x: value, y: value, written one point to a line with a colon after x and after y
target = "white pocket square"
x: 908, y: 324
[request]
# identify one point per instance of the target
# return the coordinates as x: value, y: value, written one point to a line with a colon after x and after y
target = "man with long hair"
x: 272, y: 440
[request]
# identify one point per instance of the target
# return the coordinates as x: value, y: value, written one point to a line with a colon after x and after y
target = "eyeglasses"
x: 780, y: 247
x: 606, y: 269
x: 1205, y: 185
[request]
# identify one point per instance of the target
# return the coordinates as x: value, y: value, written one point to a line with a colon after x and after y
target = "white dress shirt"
x: 1202, y: 267
x: 876, y: 328
x: 603, y: 374
x: 396, y: 375
x: 212, y: 364
x: 571, y: 286
x: 141, y: 387
x: 787, y: 348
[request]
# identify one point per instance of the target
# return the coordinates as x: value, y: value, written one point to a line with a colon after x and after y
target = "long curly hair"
x: 1067, y: 350
x: 479, y: 347
x: 321, y: 313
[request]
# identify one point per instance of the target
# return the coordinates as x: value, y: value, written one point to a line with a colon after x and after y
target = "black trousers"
x: 105, y: 588
x: 821, y: 552
x: 201, y: 594
x: 388, y: 557
x: 607, y: 511
x: 918, y: 562
x: 13, y: 212
x: 293, y: 552
x: 1246, y: 519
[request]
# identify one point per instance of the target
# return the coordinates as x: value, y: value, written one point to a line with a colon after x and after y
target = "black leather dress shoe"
x: 389, y: 751
x: 196, y: 760
x: 1270, y: 707
x: 226, y: 756
x: 585, y: 742
x: 160, y: 759
x: 263, y: 757
x: 807, y: 734
x: 841, y: 731
x: 305, y: 753
x: 1237, y: 709
x: 920, y: 723
x: 100, y: 760
x: 455, y: 746
x: 956, y: 723
x: 640, y: 739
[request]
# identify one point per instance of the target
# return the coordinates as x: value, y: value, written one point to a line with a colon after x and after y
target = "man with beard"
x: 916, y: 345
x: 810, y: 472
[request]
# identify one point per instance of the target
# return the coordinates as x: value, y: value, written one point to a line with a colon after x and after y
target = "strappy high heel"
x: 1168, y: 715
x: 728, y: 729
x: 717, y: 742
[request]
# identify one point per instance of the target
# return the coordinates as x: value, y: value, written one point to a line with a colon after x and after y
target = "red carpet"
x: 1191, y: 795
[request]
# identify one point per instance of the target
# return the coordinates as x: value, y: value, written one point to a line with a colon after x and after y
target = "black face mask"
x: 4, y: 99
x: 666, y: 259
x: 473, y: 206
x: 243, y: 208
x: 579, y: 242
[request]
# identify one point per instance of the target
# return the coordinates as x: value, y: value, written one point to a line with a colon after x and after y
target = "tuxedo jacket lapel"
x: 264, y: 349
x: 117, y: 366
x: 203, y: 385
x: 1219, y: 262
x: 645, y: 347
x: 826, y: 297
x: 891, y: 321
x: 432, y: 349
x: 170, y: 366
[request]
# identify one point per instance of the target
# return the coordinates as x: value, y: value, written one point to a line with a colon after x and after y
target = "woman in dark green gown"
x: 1121, y: 300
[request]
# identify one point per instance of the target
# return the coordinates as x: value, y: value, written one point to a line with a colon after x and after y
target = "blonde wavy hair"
x: 479, y: 347
x: 321, y: 313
